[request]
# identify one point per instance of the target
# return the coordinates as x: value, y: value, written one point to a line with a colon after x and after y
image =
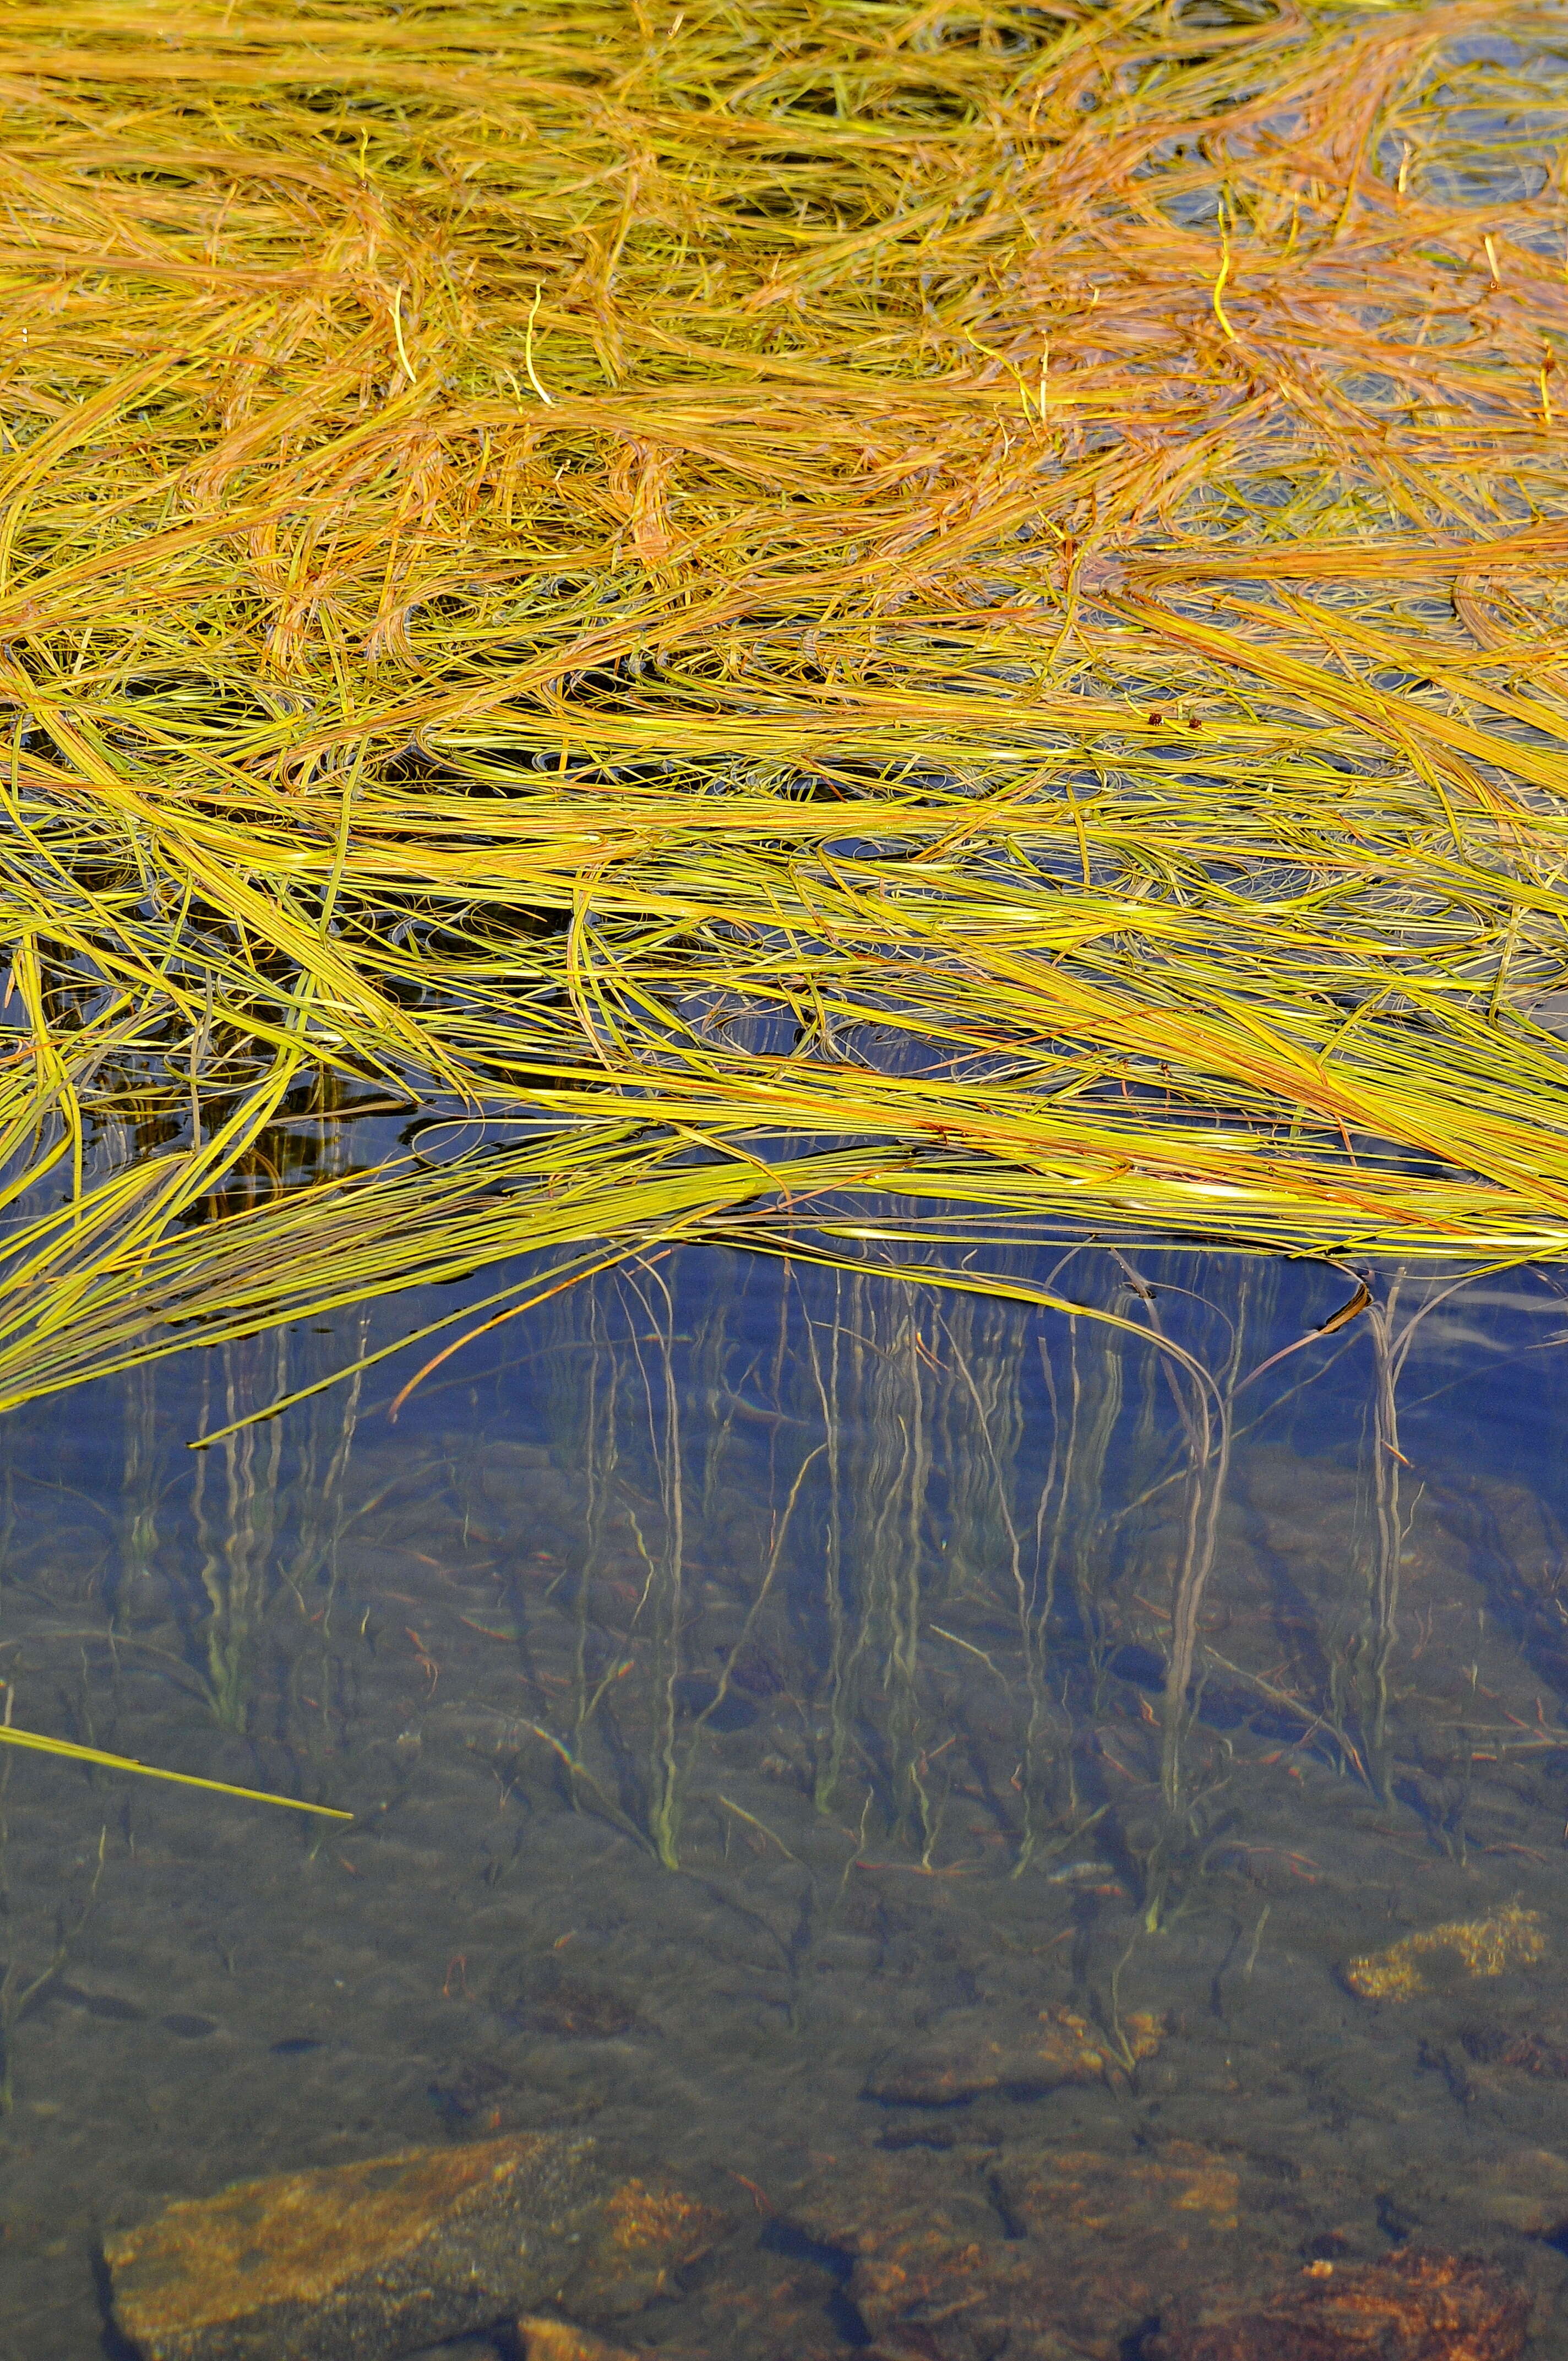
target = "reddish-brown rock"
x: 1117, y: 2236
x: 1411, y: 2307
x: 1106, y: 2240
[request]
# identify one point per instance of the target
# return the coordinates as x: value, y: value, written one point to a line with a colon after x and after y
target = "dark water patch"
x: 473, y: 2090
x: 110, y: 2007
x: 839, y: 2314
x: 719, y: 1707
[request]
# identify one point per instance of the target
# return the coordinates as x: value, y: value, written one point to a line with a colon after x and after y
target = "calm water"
x: 749, y: 1684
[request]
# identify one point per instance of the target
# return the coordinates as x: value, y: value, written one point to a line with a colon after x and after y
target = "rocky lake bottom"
x: 786, y: 1873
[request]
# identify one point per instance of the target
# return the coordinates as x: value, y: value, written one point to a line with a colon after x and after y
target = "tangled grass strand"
x: 953, y: 610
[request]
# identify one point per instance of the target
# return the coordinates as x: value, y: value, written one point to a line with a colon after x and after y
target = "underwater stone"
x: 541, y: 1996
x: 563, y: 2340
x: 1527, y: 2192
x: 1098, y: 2244
x: 926, y: 2276
x: 1118, y: 2236
x: 1418, y: 2306
x: 557, y: 2340
x: 362, y: 2261
x: 1540, y: 2049
x: 646, y: 2232
x: 1062, y: 2047
x: 1183, y: 2188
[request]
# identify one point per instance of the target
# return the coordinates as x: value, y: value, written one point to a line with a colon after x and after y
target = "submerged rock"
x: 1041, y: 2254
x: 360, y: 2262
x: 563, y: 2340
x: 558, y: 2340
x: 541, y: 1996
x: 646, y: 2232
x: 1462, y: 1950
x: 1118, y: 2236
x: 1409, y: 2307
x: 475, y: 2087
x: 1527, y: 2191
x: 1542, y: 2051
x: 1168, y: 2196
x: 966, y: 2061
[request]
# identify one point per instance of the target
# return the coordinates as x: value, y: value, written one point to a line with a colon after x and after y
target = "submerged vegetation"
x: 826, y: 1567
x: 796, y: 625
x: 977, y: 1559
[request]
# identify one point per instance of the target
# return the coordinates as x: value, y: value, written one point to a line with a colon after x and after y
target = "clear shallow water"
x: 749, y: 1684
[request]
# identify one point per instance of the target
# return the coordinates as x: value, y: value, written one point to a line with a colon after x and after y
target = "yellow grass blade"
x: 37, y: 1744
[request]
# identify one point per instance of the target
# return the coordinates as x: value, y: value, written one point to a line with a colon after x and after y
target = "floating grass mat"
x: 814, y: 619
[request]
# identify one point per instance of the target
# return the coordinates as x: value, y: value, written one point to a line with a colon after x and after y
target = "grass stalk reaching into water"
x: 36, y: 1741
x: 39, y: 1743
